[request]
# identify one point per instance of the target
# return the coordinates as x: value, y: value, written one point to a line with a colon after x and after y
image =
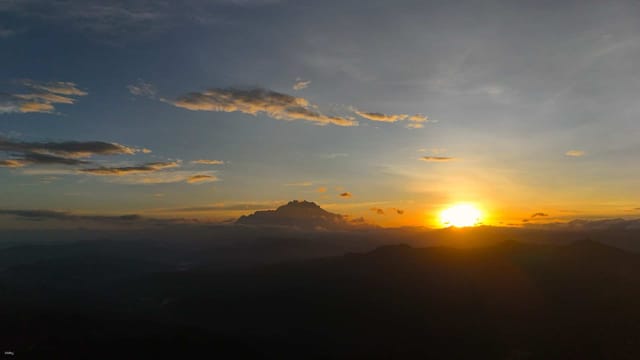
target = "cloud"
x: 321, y: 189
x: 227, y: 207
x: 208, y: 162
x: 346, y: 195
x: 55, y: 215
x: 56, y: 87
x: 141, y: 88
x: 415, y: 121
x: 255, y: 101
x: 76, y: 149
x: 301, y: 84
x: 437, y: 158
x: 127, y: 170
x: 419, y: 118
x: 376, y: 116
x: 41, y: 98
x: 13, y: 163
x: 40, y: 215
x: 539, y: 214
x: 575, y: 153
x: 200, y: 178
x: 381, y: 211
x: 61, y: 153
x: 47, y: 159
x: 118, y: 21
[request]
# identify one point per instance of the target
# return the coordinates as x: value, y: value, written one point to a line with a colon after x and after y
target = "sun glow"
x: 460, y: 215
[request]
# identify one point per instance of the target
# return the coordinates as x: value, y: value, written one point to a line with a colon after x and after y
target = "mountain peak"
x: 296, y: 213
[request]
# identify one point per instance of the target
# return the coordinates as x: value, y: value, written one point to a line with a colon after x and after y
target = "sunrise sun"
x: 460, y: 215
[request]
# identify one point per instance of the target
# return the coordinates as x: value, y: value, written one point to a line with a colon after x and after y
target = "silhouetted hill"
x: 507, y: 301
x: 300, y: 214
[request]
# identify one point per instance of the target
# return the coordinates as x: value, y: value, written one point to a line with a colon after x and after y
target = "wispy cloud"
x: 127, y: 170
x: 301, y: 84
x: 123, y: 20
x: 575, y: 153
x: 224, y: 206
x: 39, y: 215
x: 256, y: 101
x: 47, y: 159
x: 414, y: 121
x: 376, y: 116
x: 419, y: 118
x: 57, y: 215
x: 142, y: 88
x: 208, y: 162
x: 40, y: 98
x: 68, y: 148
x: 346, y: 195
x: 201, y: 178
x: 58, y: 153
x: 539, y: 214
x: 13, y: 163
x: 437, y: 158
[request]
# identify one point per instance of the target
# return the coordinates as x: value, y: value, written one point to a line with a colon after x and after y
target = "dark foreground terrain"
x: 505, y: 301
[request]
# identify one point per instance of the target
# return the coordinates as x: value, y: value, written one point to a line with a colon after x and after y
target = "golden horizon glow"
x: 460, y: 215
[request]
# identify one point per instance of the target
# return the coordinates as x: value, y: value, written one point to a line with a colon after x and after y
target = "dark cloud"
x: 377, y: 211
x: 226, y: 207
x: 539, y: 214
x: 437, y: 158
x: 200, y: 178
x: 61, y: 153
x: 589, y: 225
x: 41, y: 215
x: 346, y: 195
x: 47, y: 159
x: 67, y: 148
x: 255, y: 101
x: 127, y: 170
x: 123, y: 20
x: 398, y: 211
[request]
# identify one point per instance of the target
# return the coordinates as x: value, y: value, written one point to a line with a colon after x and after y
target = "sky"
x: 387, y: 110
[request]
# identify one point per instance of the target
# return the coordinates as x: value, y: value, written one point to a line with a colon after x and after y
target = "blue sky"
x: 530, y: 106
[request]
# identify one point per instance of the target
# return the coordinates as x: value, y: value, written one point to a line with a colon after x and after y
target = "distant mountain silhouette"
x: 511, y: 300
x: 301, y: 214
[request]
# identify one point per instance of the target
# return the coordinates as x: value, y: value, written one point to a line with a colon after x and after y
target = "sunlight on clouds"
x: 255, y: 101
